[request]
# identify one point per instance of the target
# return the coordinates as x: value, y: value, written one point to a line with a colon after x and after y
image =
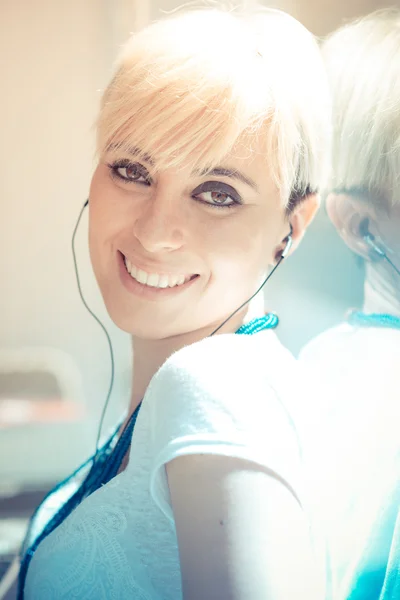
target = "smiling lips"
x: 155, y: 280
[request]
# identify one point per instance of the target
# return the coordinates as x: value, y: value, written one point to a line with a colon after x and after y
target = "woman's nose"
x: 160, y: 227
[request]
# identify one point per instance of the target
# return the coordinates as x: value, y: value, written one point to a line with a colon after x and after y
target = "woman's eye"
x: 217, y: 195
x: 130, y: 172
x: 217, y: 198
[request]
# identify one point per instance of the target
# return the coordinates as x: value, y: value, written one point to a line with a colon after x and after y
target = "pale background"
x: 56, y: 56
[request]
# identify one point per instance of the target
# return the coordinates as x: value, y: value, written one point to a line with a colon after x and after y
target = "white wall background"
x: 55, y: 59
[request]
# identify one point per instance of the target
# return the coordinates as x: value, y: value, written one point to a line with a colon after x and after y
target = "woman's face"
x: 199, y: 243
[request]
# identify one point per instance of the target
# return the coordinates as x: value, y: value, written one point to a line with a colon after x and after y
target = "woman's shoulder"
x: 228, y: 359
x: 225, y: 396
x: 248, y: 381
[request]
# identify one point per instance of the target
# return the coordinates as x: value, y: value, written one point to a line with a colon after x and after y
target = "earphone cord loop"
x: 112, y: 374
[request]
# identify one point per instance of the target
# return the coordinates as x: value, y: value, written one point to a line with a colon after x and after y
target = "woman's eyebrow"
x: 232, y: 173
x: 133, y: 151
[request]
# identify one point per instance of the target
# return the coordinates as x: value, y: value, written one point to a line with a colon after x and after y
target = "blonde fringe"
x: 190, y: 105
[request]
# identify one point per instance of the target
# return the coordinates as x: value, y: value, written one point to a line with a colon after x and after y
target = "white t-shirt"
x: 234, y: 395
x: 356, y: 451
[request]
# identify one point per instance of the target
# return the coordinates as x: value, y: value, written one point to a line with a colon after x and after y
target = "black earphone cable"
x: 112, y: 375
x: 283, y: 255
x: 391, y: 263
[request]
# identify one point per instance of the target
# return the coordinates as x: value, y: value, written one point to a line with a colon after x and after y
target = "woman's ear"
x: 349, y: 215
x: 299, y: 219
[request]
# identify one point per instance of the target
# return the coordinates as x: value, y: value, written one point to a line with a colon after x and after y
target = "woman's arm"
x: 241, y: 532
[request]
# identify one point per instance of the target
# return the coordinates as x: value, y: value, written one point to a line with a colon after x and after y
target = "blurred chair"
x: 38, y: 384
x: 44, y: 433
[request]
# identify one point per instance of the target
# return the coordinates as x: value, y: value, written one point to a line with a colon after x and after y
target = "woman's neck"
x: 381, y: 290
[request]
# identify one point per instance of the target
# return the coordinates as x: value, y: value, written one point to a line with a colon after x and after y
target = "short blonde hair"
x: 190, y: 87
x: 362, y: 61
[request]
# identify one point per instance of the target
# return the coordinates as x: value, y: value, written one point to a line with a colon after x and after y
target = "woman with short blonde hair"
x: 211, y: 148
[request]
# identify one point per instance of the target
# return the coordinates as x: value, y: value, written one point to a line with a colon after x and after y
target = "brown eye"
x: 219, y: 197
x: 130, y: 172
x: 217, y: 194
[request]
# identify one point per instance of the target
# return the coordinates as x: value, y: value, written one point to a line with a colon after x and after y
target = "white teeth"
x: 128, y: 264
x: 163, y: 282
x: 141, y: 276
x: 172, y: 281
x: 154, y: 279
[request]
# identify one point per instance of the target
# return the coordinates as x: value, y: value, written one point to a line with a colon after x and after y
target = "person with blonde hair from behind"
x: 212, y: 139
x: 357, y: 362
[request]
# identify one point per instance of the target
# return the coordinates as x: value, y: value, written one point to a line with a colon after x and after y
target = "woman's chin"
x: 146, y: 326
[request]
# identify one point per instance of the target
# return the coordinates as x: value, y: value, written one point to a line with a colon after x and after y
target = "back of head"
x: 362, y: 61
x: 196, y: 86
